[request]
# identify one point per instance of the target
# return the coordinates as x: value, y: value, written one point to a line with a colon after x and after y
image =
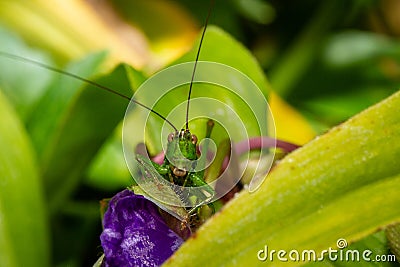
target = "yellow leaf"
x: 290, y: 125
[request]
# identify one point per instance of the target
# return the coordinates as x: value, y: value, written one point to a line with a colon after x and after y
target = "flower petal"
x: 135, y: 234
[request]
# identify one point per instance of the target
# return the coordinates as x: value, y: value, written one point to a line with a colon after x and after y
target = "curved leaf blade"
x: 24, y: 237
x: 343, y: 184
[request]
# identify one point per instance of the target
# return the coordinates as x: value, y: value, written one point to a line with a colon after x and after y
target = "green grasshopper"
x: 180, y: 143
x: 178, y: 167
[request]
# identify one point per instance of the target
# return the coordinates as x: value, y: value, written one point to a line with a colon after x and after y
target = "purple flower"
x: 135, y: 234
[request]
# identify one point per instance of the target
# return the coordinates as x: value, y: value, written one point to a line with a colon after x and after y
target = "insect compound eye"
x: 194, y: 139
x: 170, y: 137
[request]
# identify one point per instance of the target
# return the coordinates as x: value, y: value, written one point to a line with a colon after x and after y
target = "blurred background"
x: 326, y: 60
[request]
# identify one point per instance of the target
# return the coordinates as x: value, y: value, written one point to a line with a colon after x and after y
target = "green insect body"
x: 179, y: 168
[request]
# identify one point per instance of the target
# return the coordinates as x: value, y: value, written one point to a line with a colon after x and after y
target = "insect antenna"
x: 102, y: 87
x: 195, y: 63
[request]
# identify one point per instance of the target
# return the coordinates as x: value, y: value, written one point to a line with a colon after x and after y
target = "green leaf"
x: 343, y: 184
x: 99, y: 262
x: 108, y: 170
x: 294, y: 62
x: 24, y: 237
x: 259, y: 11
x: 351, y: 48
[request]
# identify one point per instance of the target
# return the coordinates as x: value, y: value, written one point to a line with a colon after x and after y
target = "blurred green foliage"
x: 329, y: 59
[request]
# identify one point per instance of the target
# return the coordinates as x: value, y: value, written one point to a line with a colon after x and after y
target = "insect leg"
x: 198, y: 180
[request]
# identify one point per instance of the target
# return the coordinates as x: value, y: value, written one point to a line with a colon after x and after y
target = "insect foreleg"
x: 161, y: 169
x: 198, y: 180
